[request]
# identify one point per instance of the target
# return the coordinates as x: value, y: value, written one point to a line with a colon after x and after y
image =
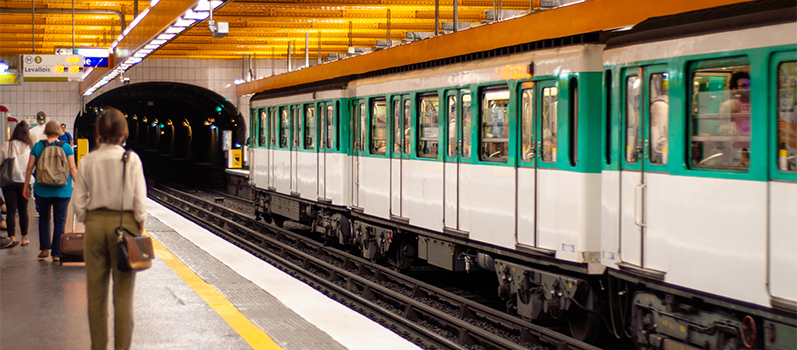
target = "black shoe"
x: 6, y: 243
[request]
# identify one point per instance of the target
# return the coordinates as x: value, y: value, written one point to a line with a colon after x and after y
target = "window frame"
x: 572, y: 121
x: 373, y: 122
x: 310, y: 128
x: 522, y: 88
x: 776, y: 60
x: 421, y: 140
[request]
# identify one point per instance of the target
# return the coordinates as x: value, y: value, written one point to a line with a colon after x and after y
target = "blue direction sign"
x: 95, y: 62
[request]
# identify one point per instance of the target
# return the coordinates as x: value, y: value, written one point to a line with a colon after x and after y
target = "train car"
x: 699, y: 183
x: 592, y: 173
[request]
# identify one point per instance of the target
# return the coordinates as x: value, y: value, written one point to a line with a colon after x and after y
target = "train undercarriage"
x: 594, y: 303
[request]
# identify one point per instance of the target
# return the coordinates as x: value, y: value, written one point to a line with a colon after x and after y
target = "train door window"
x: 659, y: 117
x: 284, y: 127
x: 263, y: 127
x: 397, y: 126
x: 466, y: 125
x: 363, y: 128
x: 322, y: 122
x: 428, y: 126
x: 607, y: 89
x: 296, y: 125
x: 573, y: 122
x: 407, y: 132
x: 720, y: 117
x: 787, y: 117
x: 494, y: 125
x: 330, y: 141
x: 452, y: 124
x: 633, y: 86
x: 379, y: 127
x: 309, y: 126
x: 273, y: 127
x: 527, y: 122
x: 549, y: 103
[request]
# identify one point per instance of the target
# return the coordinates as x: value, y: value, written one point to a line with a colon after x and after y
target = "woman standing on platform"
x: 17, y: 147
x: 98, y: 203
x: 55, y: 198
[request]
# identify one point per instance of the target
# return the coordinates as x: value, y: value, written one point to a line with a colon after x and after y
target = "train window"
x: 285, y: 130
x: 466, y: 123
x: 787, y: 116
x: 607, y: 88
x: 330, y: 127
x: 428, y: 126
x: 363, y: 127
x: 407, y: 133
x: 452, y: 125
x: 296, y: 125
x: 309, y: 126
x: 379, y: 127
x: 659, y: 118
x: 550, y: 101
x: 495, y: 125
x: 263, y: 127
x: 273, y: 127
x: 397, y: 126
x: 573, y: 124
x: 633, y: 86
x: 720, y: 118
x: 527, y: 123
x: 322, y: 123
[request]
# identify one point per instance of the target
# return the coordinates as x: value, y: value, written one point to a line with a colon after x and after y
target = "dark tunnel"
x: 176, y: 129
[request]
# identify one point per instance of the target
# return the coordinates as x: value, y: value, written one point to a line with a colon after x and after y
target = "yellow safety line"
x: 240, y: 323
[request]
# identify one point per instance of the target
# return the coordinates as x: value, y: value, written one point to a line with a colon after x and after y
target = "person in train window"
x: 739, y: 101
x: 98, y: 203
x: 659, y: 118
x: 55, y: 198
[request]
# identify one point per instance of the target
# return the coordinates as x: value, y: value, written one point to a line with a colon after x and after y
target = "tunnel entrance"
x: 175, y: 128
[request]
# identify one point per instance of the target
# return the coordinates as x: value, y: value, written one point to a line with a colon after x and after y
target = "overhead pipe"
x: 436, y: 17
x: 67, y: 11
x: 33, y: 25
x: 306, y: 49
x: 73, y: 26
x: 289, y: 56
x: 389, y: 41
x: 319, y: 47
x: 456, y: 16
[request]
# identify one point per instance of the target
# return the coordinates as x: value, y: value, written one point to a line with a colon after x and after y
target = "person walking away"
x: 97, y: 202
x: 18, y: 147
x: 37, y: 133
x: 66, y: 136
x: 53, y: 188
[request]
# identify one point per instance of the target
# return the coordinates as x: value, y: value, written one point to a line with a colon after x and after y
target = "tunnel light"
x: 212, y: 127
x: 199, y: 15
x: 140, y: 54
x: 133, y: 60
x: 136, y: 20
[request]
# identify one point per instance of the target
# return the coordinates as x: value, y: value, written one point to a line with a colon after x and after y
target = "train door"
x: 402, y: 112
x: 458, y: 116
x: 295, y: 145
x: 358, y: 131
x: 537, y: 118
x: 272, y: 145
x: 783, y: 183
x: 321, y: 175
x: 645, y: 122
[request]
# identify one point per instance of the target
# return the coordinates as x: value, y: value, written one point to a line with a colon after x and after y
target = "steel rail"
x: 402, y: 311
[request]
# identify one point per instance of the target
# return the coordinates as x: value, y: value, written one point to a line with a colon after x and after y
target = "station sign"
x: 93, y: 57
x: 10, y: 79
x: 52, y: 67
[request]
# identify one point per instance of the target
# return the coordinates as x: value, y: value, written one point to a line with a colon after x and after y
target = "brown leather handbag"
x: 133, y: 252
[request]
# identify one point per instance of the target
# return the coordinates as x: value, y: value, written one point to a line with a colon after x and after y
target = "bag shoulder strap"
x: 125, y: 157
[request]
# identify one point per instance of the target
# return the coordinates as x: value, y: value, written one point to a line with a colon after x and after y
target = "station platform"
x: 201, y: 293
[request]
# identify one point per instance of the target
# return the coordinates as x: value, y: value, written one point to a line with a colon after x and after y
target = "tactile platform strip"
x: 285, y: 327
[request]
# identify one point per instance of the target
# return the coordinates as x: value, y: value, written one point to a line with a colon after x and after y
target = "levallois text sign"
x: 52, y: 67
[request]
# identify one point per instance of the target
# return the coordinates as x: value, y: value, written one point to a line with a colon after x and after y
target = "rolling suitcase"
x: 72, y: 245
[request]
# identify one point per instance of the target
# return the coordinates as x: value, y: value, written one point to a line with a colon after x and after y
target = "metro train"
x: 638, y: 183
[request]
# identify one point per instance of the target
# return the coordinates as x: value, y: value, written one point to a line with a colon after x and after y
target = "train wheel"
x: 584, y: 325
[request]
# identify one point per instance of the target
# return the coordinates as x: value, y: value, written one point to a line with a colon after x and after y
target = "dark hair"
x: 64, y: 125
x: 111, y: 126
x: 21, y: 133
x: 735, y: 79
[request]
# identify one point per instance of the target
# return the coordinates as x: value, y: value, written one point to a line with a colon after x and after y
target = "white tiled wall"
x: 61, y: 100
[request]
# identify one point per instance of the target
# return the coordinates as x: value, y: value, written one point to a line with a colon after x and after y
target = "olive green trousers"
x: 100, y: 256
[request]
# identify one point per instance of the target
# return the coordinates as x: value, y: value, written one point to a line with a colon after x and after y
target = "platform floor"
x: 201, y: 293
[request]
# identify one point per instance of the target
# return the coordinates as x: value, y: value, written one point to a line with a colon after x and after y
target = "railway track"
x: 426, y: 315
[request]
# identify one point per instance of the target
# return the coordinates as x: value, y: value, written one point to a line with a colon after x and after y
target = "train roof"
x: 562, y: 26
